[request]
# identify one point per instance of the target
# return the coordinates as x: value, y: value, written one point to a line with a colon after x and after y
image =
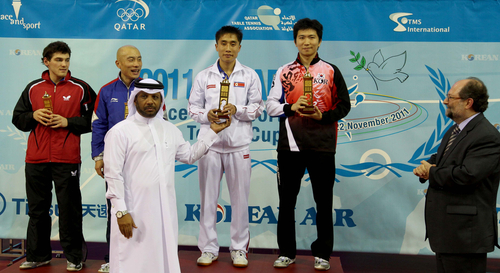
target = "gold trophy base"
x: 308, y: 110
x: 221, y: 115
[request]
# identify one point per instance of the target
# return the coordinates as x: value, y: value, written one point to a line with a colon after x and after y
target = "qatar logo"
x: 4, y: 202
x: 131, y: 14
x: 395, y: 18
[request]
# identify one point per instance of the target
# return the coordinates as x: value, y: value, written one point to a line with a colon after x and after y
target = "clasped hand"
x: 219, y: 126
x: 423, y: 170
x: 47, y: 118
x: 301, y: 103
x: 229, y: 109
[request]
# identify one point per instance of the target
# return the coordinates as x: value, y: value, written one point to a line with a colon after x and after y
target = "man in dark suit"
x: 460, y: 210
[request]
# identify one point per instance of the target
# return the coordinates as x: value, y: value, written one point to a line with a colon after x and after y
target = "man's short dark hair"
x: 229, y: 30
x: 476, y: 90
x: 307, y: 23
x: 54, y: 47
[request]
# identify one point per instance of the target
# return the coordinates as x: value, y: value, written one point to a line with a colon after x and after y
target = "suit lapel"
x: 456, y: 142
x: 463, y: 134
x: 442, y: 146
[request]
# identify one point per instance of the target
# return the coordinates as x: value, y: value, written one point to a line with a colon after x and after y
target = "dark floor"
x: 260, y: 260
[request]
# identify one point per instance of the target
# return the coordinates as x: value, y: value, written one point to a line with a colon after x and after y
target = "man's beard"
x: 146, y: 114
x: 449, y: 113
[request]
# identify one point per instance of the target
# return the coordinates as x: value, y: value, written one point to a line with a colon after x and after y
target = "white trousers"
x: 237, y: 167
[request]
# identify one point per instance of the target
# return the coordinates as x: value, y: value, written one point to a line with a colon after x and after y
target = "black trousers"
x: 461, y: 262
x: 66, y: 179
x: 291, y: 169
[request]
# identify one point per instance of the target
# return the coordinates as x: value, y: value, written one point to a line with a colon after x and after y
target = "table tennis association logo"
x: 266, y: 18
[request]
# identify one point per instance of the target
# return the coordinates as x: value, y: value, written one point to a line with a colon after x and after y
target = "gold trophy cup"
x: 47, y: 102
x: 223, y: 98
x: 308, y: 80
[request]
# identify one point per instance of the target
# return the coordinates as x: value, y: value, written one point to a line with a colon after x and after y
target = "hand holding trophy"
x: 44, y: 115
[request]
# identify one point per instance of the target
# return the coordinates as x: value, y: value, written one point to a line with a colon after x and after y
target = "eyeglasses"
x: 453, y: 98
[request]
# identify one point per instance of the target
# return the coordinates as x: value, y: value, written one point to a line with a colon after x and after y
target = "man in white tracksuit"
x: 139, y: 162
x: 230, y: 154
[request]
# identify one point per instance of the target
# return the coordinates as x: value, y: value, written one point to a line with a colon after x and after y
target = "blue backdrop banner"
x: 398, y: 58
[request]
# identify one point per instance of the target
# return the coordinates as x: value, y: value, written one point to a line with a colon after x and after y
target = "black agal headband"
x: 141, y: 85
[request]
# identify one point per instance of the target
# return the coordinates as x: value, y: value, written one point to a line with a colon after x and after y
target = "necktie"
x: 454, y: 134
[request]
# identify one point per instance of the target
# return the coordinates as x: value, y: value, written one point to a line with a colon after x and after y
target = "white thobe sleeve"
x: 114, y: 160
x: 196, y: 105
x: 188, y: 153
x: 255, y: 105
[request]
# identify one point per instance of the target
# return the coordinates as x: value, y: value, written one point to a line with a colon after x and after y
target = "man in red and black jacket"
x: 56, y: 109
x: 307, y: 139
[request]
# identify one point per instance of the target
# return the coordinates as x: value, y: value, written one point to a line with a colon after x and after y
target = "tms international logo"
x: 257, y: 214
x: 400, y: 28
x: 400, y: 18
x: 16, y: 5
x: 130, y: 15
x: 3, y: 203
x: 25, y: 52
x: 480, y: 57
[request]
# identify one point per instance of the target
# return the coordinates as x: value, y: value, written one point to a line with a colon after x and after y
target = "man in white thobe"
x: 139, y: 161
